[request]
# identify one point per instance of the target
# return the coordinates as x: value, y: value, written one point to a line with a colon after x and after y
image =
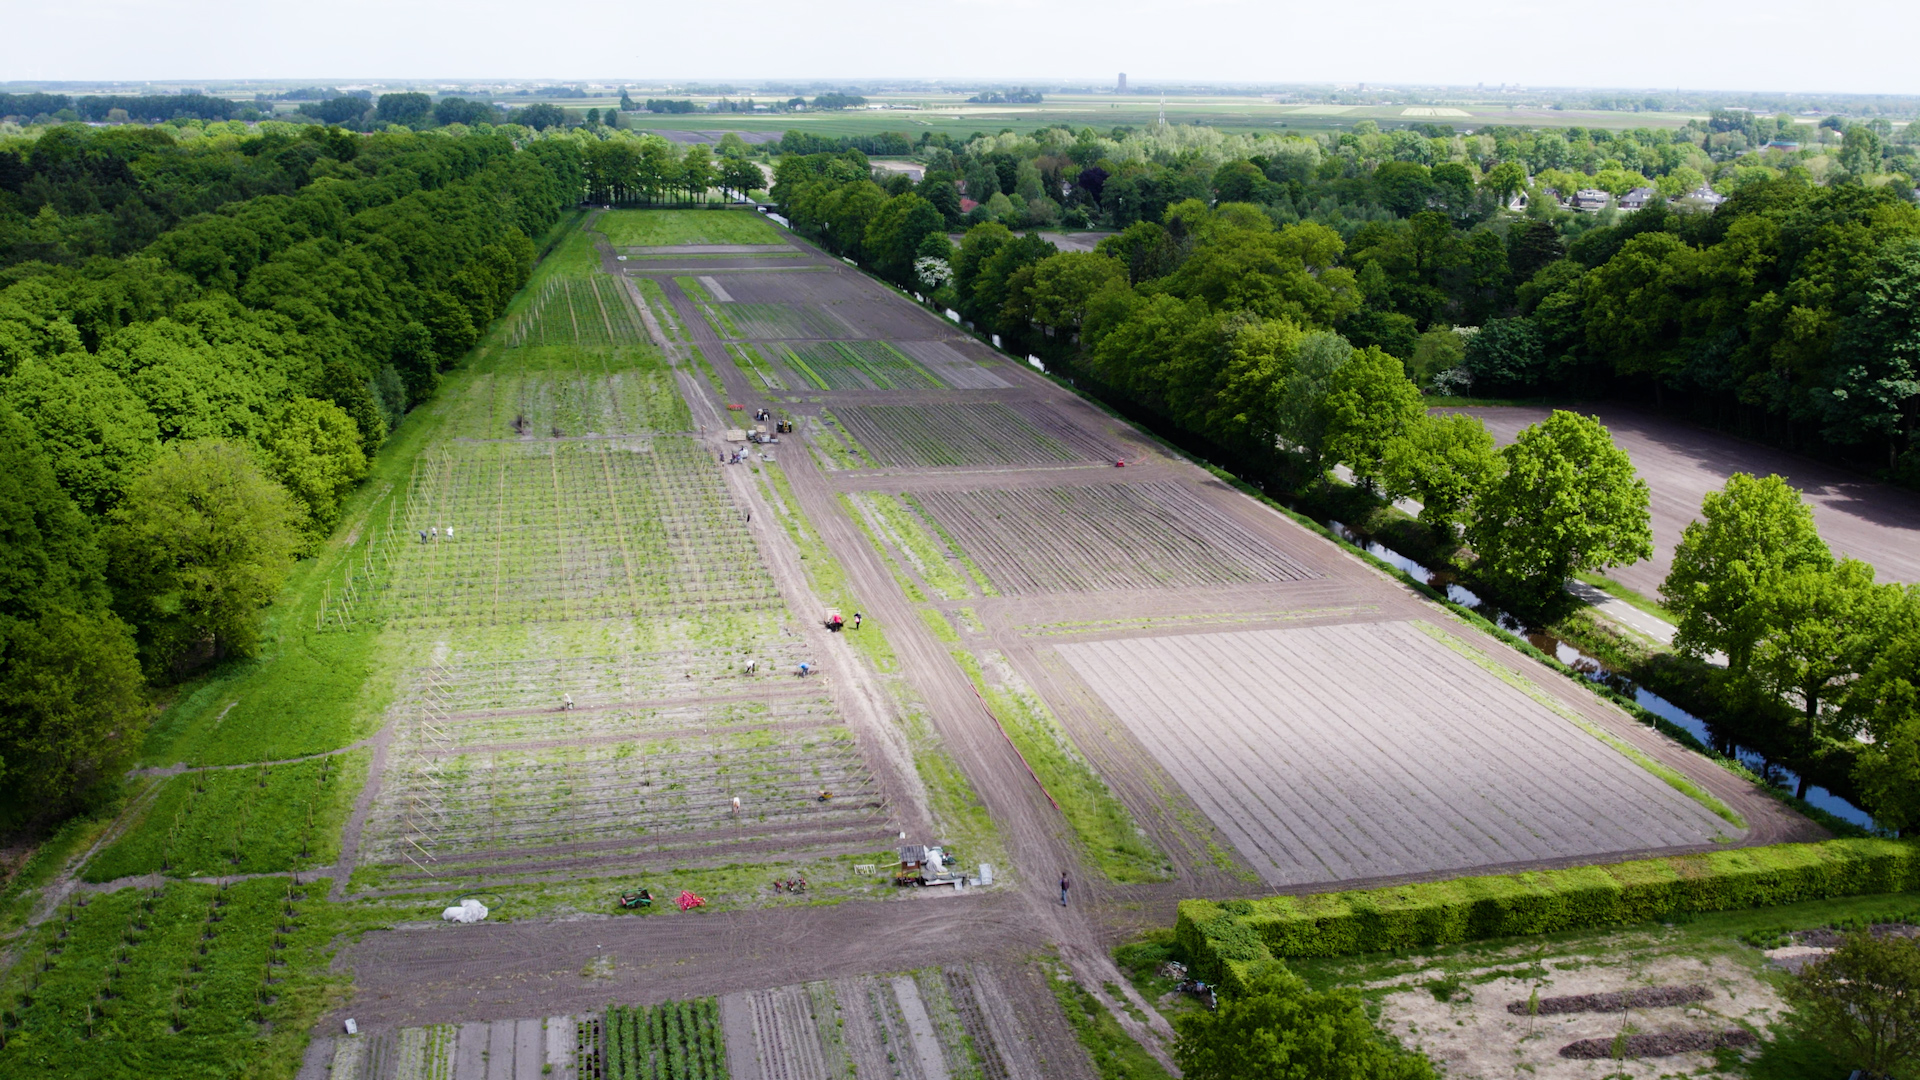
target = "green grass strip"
x: 1102, y: 825
x: 1672, y: 777
x: 813, y: 377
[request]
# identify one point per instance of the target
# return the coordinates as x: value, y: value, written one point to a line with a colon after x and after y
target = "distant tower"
x: 1163, y: 108
x: 1123, y: 84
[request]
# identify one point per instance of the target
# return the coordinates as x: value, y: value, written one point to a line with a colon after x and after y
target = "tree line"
x: 183, y: 412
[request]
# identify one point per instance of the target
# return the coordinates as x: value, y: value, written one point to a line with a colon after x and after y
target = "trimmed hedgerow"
x: 1221, y: 938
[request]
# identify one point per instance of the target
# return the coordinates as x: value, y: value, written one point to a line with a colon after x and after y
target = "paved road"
x: 1681, y: 463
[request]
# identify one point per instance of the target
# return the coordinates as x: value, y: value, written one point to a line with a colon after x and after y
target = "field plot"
x: 663, y: 228
x: 636, y: 798
x: 778, y: 322
x: 1105, y: 536
x: 1334, y: 753
x: 793, y: 288
x: 593, y: 312
x: 254, y: 820
x: 888, y: 318
x: 601, y: 395
x: 920, y: 436
x: 182, y: 980
x: 554, y: 530
x: 961, y: 1022
x: 857, y: 365
x: 675, y: 1040
x: 953, y: 369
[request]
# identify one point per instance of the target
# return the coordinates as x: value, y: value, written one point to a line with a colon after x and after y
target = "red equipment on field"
x: 688, y: 901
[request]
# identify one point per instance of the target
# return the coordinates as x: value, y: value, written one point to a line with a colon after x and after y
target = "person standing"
x: 1063, y: 888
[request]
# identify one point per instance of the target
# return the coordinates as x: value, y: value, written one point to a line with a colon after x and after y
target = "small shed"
x: 735, y: 434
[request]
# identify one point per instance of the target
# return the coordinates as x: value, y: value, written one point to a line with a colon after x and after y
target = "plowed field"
x: 1372, y: 750
x: 920, y: 436
x: 1107, y: 536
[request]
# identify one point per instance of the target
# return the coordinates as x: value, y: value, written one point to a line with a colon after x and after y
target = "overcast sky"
x: 1852, y: 46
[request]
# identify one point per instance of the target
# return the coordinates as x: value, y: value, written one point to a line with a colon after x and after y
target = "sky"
x: 1858, y: 46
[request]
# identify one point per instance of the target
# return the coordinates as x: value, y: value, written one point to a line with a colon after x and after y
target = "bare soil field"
x: 794, y: 288
x: 927, y: 436
x: 1859, y: 517
x: 1107, y: 536
x: 781, y: 322
x: 1359, y: 751
x: 953, y: 368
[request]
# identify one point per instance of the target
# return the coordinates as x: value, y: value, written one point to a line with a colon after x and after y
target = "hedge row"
x: 1224, y: 939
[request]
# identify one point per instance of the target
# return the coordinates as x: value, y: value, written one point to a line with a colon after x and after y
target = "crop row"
x: 676, y: 1040
x: 779, y: 322
x: 183, y: 980
x: 920, y: 436
x: 645, y: 671
x: 617, y: 395
x: 594, y: 312
x: 254, y: 820
x: 1108, y: 536
x: 509, y: 533
x: 858, y: 365
x: 468, y: 803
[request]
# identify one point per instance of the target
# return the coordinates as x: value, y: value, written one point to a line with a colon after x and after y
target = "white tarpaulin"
x: 468, y: 911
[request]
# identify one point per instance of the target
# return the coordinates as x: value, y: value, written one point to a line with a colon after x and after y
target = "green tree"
x: 697, y: 172
x: 1863, y: 1002
x: 49, y: 557
x: 1505, y: 180
x: 1820, y: 628
x: 1749, y: 535
x: 1568, y: 500
x: 1442, y: 462
x: 895, y: 234
x: 1369, y: 404
x: 200, y: 544
x: 1280, y: 1029
x: 72, y: 703
x: 1505, y: 354
x: 314, y: 452
x: 1064, y: 284
x: 412, y: 109
x: 1884, y: 703
x: 1301, y: 416
x: 1873, y: 391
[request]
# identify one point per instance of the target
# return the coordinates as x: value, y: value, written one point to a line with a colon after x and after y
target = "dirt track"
x: 1681, y: 463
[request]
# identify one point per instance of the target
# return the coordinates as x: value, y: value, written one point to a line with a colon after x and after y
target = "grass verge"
x: 1115, y: 1055
x: 1105, y: 830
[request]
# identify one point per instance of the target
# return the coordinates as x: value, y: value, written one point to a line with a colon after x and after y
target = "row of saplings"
x: 676, y: 1040
x: 1860, y: 1004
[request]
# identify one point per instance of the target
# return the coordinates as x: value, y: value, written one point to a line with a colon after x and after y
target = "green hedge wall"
x: 1224, y: 939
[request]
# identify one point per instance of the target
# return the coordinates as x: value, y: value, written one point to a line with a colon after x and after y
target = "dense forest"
x: 202, y: 341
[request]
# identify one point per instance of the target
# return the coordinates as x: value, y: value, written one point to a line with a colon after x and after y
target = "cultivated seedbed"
x: 857, y: 365
x: 779, y: 322
x: 1105, y: 536
x: 792, y: 288
x: 1334, y: 753
x: 924, y: 436
x: 951, y: 367
x: 560, y: 530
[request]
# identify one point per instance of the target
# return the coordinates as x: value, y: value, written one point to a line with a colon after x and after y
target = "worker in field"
x: 856, y: 620
x: 736, y: 806
x: 566, y: 703
x: 1063, y: 888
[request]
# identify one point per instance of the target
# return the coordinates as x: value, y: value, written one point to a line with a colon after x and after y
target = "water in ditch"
x: 1593, y: 669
